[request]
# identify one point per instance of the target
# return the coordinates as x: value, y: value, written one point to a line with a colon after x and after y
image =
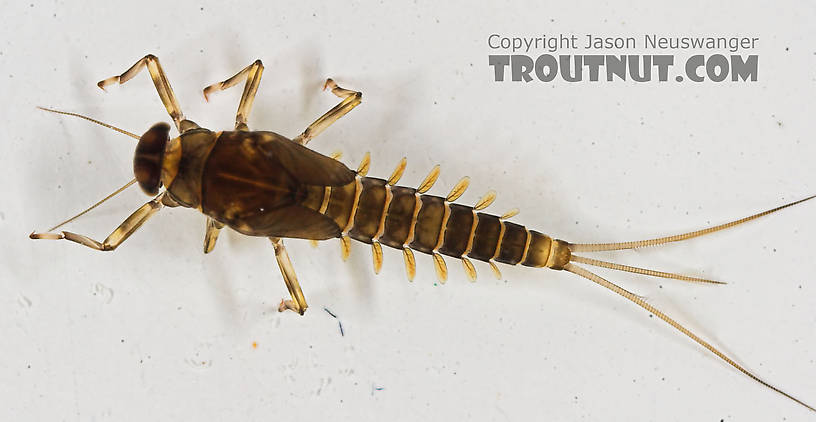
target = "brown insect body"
x: 253, y: 182
x: 264, y: 184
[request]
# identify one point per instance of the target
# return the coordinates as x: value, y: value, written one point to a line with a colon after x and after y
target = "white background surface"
x: 158, y: 331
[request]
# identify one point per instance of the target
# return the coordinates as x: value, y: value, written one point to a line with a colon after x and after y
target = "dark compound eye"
x: 147, y: 161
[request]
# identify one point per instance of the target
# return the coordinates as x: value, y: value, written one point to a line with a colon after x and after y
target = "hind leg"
x: 350, y: 100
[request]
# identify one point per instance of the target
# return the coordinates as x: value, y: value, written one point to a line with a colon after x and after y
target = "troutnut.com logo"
x: 541, y: 58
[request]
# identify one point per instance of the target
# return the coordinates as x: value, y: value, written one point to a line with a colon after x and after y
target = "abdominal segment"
x: 372, y: 211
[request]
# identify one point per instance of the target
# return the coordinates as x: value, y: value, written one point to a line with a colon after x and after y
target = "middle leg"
x: 298, y: 302
x: 213, y: 228
x: 252, y: 75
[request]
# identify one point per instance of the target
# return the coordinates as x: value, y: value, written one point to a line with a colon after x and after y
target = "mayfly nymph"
x: 260, y: 183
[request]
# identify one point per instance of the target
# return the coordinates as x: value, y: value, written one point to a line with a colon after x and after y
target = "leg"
x: 298, y: 302
x: 213, y: 227
x: 350, y: 98
x: 162, y: 86
x: 127, y: 228
x: 252, y: 74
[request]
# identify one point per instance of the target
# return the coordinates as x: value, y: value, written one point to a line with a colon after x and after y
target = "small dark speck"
x: 123, y: 340
x: 779, y: 123
x: 774, y: 249
x: 787, y: 49
x: 29, y: 366
x: 314, y: 15
x: 31, y: 5
x: 201, y: 9
x: 651, y: 316
x: 141, y: 360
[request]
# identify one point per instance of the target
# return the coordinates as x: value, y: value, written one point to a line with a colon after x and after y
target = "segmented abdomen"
x: 372, y: 211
